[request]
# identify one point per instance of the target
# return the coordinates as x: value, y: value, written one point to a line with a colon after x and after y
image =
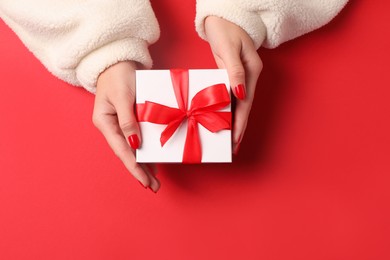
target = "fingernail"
x: 142, y: 184
x: 240, y: 91
x: 152, y: 189
x: 134, y: 141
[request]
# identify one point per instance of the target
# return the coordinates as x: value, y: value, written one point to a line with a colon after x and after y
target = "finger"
x: 109, y: 127
x: 232, y: 63
x: 127, y: 120
x: 123, y: 100
x: 152, y: 168
x: 241, y: 115
x: 253, y: 66
x: 236, y: 78
x: 154, y: 182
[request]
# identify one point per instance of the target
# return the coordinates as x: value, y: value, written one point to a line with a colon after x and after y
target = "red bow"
x: 203, y: 110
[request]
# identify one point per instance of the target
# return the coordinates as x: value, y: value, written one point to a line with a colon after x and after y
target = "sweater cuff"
x: 229, y: 10
x: 130, y: 49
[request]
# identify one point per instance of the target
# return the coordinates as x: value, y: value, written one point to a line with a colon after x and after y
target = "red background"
x: 311, y: 180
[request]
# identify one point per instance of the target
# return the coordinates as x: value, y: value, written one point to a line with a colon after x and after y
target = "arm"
x: 235, y: 29
x: 97, y: 44
x: 269, y: 23
x: 77, y: 40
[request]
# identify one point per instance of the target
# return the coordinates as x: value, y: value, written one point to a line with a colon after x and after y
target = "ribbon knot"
x: 203, y: 110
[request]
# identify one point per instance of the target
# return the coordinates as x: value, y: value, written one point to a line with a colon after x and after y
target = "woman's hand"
x: 234, y: 51
x: 114, y: 116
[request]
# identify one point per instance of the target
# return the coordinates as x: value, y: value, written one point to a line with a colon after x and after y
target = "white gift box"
x: 156, y: 86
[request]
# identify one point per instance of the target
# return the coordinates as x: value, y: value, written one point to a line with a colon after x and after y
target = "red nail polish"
x: 240, y: 91
x: 134, y: 141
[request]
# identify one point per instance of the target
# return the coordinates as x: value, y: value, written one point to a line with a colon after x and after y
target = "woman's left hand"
x: 234, y: 51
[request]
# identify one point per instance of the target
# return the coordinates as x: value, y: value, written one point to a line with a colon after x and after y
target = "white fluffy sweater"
x: 78, y: 39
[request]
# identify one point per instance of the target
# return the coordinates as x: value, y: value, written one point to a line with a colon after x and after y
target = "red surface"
x: 311, y: 180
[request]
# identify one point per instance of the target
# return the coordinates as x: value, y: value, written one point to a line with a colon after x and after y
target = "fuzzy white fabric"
x: 270, y: 22
x: 78, y: 39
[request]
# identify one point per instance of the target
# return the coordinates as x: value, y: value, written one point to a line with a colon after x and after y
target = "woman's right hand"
x: 114, y: 116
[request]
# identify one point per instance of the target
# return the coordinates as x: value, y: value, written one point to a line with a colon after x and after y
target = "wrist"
x: 120, y: 72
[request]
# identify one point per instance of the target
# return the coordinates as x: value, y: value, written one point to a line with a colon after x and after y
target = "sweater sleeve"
x: 78, y: 39
x: 270, y: 22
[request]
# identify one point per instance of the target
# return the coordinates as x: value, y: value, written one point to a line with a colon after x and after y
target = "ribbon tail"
x: 170, y: 130
x: 192, y: 148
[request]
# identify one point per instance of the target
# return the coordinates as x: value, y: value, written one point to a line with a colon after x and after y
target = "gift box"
x: 184, y: 116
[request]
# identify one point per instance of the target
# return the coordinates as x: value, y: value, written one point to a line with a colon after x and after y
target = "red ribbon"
x: 203, y: 110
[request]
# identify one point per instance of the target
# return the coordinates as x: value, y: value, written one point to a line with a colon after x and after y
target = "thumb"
x: 236, y: 73
x: 128, y: 122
